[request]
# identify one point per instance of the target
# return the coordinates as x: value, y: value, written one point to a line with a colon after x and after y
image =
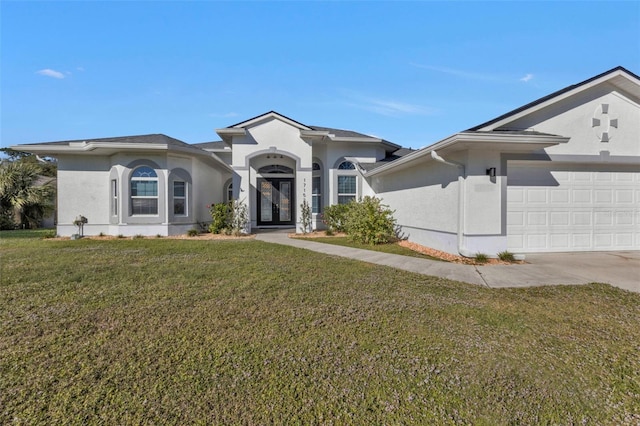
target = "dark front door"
x: 275, y: 201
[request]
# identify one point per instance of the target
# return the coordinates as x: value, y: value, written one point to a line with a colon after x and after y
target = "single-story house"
x: 559, y: 174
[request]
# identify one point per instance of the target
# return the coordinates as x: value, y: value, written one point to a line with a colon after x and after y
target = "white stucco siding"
x: 425, y: 200
x: 575, y: 116
x: 208, y: 188
x: 83, y: 189
x: 271, y: 135
x: 483, y: 194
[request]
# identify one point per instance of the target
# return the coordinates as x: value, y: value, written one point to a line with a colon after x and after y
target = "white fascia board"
x: 364, y: 139
x: 314, y: 134
x: 560, y: 97
x: 87, y: 147
x: 499, y: 142
x: 231, y: 131
x: 228, y: 133
x: 267, y: 116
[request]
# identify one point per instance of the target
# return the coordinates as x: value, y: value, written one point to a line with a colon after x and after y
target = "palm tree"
x: 24, y: 197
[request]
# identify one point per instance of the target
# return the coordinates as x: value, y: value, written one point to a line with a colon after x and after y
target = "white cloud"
x: 527, y: 78
x: 457, y: 73
x: 51, y: 73
x: 387, y: 107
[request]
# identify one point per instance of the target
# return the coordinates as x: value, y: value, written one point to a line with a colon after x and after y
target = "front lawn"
x: 163, y: 331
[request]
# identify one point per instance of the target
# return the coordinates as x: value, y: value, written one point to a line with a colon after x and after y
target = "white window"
x: 144, y: 191
x: 229, y: 190
x: 347, y: 183
x: 346, y: 189
x: 114, y: 197
x: 179, y: 198
x: 316, y: 189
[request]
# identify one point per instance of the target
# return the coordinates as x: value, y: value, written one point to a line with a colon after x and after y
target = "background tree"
x: 27, y: 189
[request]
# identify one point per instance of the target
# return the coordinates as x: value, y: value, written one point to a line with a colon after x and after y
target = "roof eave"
x: 468, y: 140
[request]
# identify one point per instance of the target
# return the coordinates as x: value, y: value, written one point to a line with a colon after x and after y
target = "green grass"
x: 161, y: 331
x: 28, y: 233
x: 392, y: 248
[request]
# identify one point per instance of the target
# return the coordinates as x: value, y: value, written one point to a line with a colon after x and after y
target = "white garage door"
x: 572, y: 208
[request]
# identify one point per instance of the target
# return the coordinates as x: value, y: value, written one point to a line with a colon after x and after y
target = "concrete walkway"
x: 620, y: 269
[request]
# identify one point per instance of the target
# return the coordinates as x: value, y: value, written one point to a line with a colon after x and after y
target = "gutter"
x: 461, y: 180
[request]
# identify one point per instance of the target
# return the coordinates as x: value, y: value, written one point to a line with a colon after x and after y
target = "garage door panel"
x: 579, y: 210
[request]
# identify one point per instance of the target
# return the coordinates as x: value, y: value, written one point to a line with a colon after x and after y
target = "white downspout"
x: 461, y: 175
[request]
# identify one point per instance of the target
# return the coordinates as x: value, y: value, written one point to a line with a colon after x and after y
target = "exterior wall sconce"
x: 491, y: 172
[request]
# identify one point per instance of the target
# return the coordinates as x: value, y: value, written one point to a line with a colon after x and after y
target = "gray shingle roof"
x: 214, y: 145
x: 391, y: 157
x: 139, y: 139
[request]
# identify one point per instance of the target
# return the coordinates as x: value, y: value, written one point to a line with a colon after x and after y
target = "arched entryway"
x: 275, y: 195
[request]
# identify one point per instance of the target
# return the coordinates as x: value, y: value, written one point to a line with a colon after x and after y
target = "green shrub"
x: 481, y: 258
x: 368, y: 221
x: 137, y: 237
x: 221, y: 216
x: 506, y: 256
x: 192, y: 232
x: 335, y: 217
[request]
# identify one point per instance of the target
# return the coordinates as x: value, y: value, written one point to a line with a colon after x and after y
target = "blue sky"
x: 410, y: 72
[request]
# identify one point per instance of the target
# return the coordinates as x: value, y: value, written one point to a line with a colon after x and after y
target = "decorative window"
x: 144, y: 191
x: 316, y: 189
x: 346, y: 189
x: 346, y: 165
x: 276, y: 168
x: 229, y: 190
x: 179, y: 198
x: 114, y: 197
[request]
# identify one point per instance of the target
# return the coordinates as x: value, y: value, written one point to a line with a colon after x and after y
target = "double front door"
x: 275, y: 201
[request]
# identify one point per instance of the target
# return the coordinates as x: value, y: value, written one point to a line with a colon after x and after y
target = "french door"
x: 275, y: 201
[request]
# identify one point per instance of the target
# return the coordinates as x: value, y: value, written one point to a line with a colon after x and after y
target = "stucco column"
x: 303, y: 192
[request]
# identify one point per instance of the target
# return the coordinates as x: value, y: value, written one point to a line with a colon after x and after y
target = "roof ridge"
x: 551, y: 96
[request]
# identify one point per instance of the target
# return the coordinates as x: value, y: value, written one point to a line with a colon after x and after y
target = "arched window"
x: 275, y: 168
x: 228, y: 190
x: 316, y: 189
x: 144, y: 191
x: 347, y: 165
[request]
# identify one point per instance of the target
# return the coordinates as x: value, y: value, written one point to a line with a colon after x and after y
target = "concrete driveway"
x: 620, y: 269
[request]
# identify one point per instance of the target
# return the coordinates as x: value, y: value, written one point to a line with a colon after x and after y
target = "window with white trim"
x: 347, y: 183
x: 179, y: 198
x: 144, y: 191
x: 316, y: 189
x: 229, y: 190
x: 114, y: 197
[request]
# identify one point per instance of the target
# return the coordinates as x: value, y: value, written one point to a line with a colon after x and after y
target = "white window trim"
x: 156, y: 197
x: 114, y: 197
x: 184, y: 197
x: 349, y: 172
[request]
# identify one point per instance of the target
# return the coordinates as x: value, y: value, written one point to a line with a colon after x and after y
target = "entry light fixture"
x: 491, y: 172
